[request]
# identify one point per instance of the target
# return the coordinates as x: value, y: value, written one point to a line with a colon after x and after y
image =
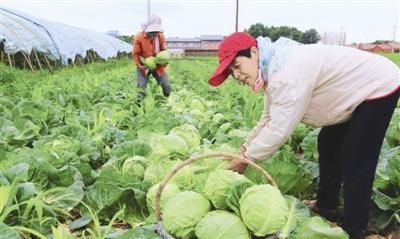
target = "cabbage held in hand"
x: 163, y: 57
x: 221, y: 225
x: 264, y: 210
x: 182, y: 213
x: 149, y: 62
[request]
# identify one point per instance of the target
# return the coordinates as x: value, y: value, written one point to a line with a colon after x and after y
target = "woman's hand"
x: 143, y: 69
x: 236, y: 166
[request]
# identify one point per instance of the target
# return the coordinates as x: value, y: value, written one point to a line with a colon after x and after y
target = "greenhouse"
x: 27, y: 41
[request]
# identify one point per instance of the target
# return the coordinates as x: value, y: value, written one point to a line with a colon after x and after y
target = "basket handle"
x: 226, y: 156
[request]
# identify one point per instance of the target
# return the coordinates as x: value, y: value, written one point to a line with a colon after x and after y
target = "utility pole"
x: 394, y: 36
x: 395, y: 33
x: 237, y: 15
x: 341, y: 37
x: 148, y: 9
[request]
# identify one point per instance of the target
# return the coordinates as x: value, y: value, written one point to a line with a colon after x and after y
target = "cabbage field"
x: 79, y: 158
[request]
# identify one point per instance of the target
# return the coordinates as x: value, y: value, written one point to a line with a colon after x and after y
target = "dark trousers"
x: 142, y: 82
x: 348, y: 154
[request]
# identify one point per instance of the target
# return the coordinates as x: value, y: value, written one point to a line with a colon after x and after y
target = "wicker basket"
x: 227, y: 156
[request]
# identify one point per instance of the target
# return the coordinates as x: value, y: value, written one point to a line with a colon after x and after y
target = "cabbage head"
x: 264, y: 210
x: 199, y: 104
x: 149, y: 62
x: 221, y: 225
x: 212, y: 163
x: 199, y: 179
x: 182, y: 213
x: 287, y: 171
x: 130, y: 148
x: 203, y: 168
x: 169, y: 191
x: 157, y: 170
x: 165, y: 145
x: 135, y: 167
x: 316, y: 228
x: 189, y: 133
x: 184, y: 177
x: 163, y: 57
x: 219, y: 185
x: 218, y: 117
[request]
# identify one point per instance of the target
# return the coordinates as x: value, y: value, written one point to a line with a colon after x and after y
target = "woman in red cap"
x: 351, y: 94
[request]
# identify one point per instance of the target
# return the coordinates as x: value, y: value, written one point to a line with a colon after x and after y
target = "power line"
x: 148, y: 9
x: 237, y: 15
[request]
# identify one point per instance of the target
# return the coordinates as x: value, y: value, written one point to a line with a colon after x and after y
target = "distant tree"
x: 380, y: 41
x: 125, y: 38
x: 285, y: 31
x: 274, y: 33
x: 310, y: 36
x: 257, y: 30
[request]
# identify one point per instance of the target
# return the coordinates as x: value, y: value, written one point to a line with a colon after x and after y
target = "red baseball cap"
x: 227, y: 51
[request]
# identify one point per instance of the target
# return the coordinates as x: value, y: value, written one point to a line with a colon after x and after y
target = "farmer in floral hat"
x: 350, y: 93
x: 148, y: 43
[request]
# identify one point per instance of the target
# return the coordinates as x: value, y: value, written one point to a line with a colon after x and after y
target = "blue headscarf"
x: 278, y: 50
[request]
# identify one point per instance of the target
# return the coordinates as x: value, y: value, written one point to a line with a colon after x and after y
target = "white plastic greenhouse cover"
x: 22, y: 32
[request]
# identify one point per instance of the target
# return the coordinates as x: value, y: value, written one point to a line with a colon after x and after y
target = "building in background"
x: 395, y: 46
x: 203, y: 45
x: 388, y: 47
x: 183, y: 43
x: 339, y: 38
x: 210, y: 42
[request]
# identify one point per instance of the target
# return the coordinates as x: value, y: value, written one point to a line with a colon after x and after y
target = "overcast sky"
x: 361, y: 20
